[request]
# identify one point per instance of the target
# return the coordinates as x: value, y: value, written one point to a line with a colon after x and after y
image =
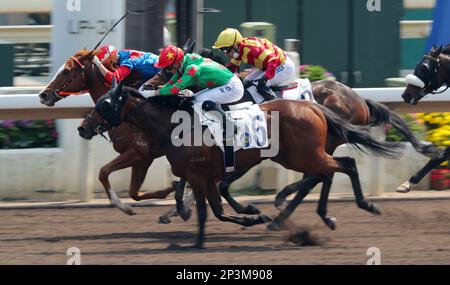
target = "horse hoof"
x: 127, y: 209
x: 404, y: 188
x: 274, y: 226
x: 369, y: 207
x: 280, y: 202
x: 373, y: 209
x: 185, y: 214
x: 331, y: 223
x: 164, y: 220
x: 251, y: 210
x: 432, y: 152
x: 265, y: 219
x: 198, y: 246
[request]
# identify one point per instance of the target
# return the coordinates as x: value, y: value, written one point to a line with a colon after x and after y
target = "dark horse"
x: 432, y: 73
x: 137, y: 150
x: 300, y: 124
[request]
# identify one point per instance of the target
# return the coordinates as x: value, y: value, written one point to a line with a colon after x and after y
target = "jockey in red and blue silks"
x: 141, y: 64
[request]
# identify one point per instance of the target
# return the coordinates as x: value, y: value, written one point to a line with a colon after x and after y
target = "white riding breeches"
x: 231, y: 92
x: 284, y: 74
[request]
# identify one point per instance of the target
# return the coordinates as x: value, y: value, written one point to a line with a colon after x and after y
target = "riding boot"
x: 228, y: 137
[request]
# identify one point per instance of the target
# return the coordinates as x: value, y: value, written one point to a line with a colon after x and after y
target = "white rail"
x: 26, y: 6
x: 25, y: 106
x: 26, y: 34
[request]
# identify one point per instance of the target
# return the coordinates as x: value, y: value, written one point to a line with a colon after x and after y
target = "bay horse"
x: 303, y: 127
x: 351, y: 107
x: 136, y: 150
x: 432, y: 73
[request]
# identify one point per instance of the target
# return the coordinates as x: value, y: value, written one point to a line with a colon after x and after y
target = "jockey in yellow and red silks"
x: 274, y: 67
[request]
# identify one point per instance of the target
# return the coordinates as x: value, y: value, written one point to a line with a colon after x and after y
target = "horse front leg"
x: 323, y: 202
x: 224, y: 186
x: 215, y: 203
x: 281, y: 197
x: 138, y: 173
x: 348, y: 165
x: 406, y: 186
x: 181, y: 208
x: 124, y: 160
x: 303, y: 187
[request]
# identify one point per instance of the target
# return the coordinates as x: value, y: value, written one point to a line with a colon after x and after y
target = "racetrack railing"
x: 78, y: 170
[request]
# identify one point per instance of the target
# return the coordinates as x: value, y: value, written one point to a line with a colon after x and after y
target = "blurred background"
x: 358, y: 42
x: 360, y: 46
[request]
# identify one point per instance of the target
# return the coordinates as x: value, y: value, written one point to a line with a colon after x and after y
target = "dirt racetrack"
x: 408, y: 232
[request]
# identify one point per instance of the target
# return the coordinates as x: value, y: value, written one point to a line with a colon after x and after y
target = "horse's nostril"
x: 43, y: 95
x: 81, y: 131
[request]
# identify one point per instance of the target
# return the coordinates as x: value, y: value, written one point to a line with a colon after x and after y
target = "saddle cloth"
x: 299, y: 90
x: 250, y: 125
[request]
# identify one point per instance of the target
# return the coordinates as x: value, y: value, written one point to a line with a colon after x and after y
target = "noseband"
x: 84, y: 88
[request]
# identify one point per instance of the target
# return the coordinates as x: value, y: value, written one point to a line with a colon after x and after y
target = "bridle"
x: 84, y: 89
x: 429, y: 81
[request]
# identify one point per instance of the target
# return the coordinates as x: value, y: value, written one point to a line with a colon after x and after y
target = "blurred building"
x: 360, y: 46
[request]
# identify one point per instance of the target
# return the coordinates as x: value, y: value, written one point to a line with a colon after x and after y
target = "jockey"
x: 128, y: 61
x: 216, y: 83
x: 217, y: 86
x: 274, y: 67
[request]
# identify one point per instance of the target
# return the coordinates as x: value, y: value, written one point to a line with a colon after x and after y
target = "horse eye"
x: 424, y: 67
x: 66, y: 71
x: 105, y: 106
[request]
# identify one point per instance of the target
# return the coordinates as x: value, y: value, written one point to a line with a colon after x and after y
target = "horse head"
x: 72, y: 78
x: 429, y: 75
x: 106, y: 114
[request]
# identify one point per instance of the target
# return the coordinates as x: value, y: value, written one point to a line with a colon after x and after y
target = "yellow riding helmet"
x: 228, y: 38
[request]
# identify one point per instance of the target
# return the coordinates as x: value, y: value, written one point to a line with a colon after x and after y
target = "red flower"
x: 180, y: 81
x: 210, y: 84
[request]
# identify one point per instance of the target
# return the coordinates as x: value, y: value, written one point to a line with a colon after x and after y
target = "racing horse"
x: 300, y: 124
x: 351, y: 107
x: 136, y: 150
x: 432, y: 73
x: 79, y: 75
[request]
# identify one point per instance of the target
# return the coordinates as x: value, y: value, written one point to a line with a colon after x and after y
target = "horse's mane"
x: 446, y: 49
x: 207, y: 53
x: 108, y: 62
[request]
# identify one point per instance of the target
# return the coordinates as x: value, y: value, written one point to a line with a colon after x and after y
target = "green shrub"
x: 28, y: 134
x: 315, y: 73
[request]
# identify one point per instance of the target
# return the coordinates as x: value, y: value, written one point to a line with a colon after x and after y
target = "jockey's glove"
x: 96, y: 60
x: 186, y: 93
x: 147, y: 93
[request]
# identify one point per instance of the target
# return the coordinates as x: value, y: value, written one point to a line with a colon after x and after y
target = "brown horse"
x: 136, y: 149
x: 430, y: 74
x: 303, y: 127
x: 351, y: 107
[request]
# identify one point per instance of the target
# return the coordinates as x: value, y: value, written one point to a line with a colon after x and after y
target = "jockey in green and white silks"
x: 215, y: 82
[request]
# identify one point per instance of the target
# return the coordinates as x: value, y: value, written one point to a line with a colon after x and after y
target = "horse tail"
x: 358, y: 137
x: 381, y: 115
